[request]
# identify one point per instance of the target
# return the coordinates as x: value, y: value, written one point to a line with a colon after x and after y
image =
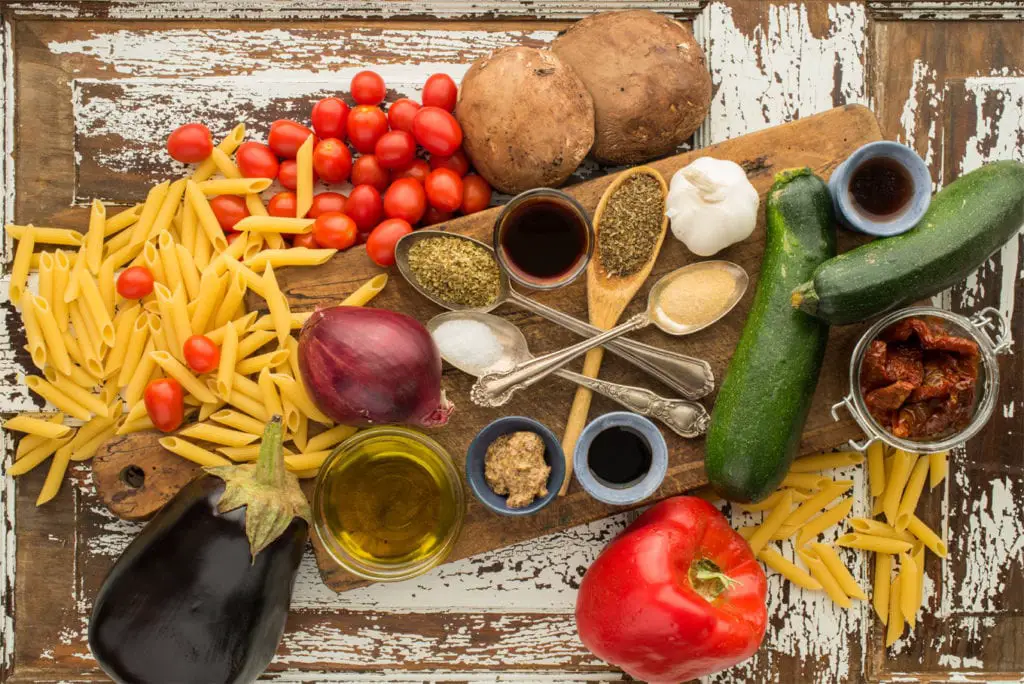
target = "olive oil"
x: 390, y: 502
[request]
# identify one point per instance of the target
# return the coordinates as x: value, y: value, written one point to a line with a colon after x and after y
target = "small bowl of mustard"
x: 515, y: 471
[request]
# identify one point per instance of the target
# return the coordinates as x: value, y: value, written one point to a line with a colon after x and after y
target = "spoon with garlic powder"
x: 682, y: 302
x: 479, y: 343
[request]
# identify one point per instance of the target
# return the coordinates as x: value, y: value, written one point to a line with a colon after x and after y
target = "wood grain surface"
x: 90, y: 90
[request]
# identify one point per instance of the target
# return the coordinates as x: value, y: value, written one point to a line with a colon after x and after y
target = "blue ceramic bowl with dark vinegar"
x: 553, y: 455
x: 625, y: 493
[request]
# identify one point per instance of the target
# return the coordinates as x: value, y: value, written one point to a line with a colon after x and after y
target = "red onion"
x: 372, y: 366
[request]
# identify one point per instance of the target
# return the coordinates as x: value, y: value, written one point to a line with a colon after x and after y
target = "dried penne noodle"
x: 772, y: 500
x: 124, y: 327
x: 205, y: 217
x: 217, y: 435
x: 234, y: 186
x: 233, y: 296
x: 367, y: 291
x: 238, y: 421
x: 168, y: 208
x: 828, y: 518
x: 297, y: 321
x: 909, y: 602
x: 870, y: 542
x: 247, y: 387
x: 274, y: 224
x: 268, y: 392
x: 179, y: 317
x: 96, y: 308
x: 167, y: 249
x: 894, y: 627
x: 165, y: 302
x: 918, y: 555
x: 194, y: 453
x: 306, y: 474
x: 242, y: 326
x: 278, y: 305
x: 911, y: 494
x: 253, y: 342
x: 294, y: 256
x: 189, y: 272
x: 179, y: 372
x: 92, y: 402
x: 226, y: 146
x: 253, y: 280
x: 306, y: 461
x: 814, y: 464
x: 48, y: 236
x: 22, y: 261
x: 817, y: 502
x: 293, y: 363
x: 36, y: 456
x: 876, y: 470
x: 211, y: 293
x: 154, y: 201
x: 36, y: 345
x: 56, y: 350
x: 296, y: 394
x: 254, y: 364
x: 336, y: 435
x: 249, y: 406
x: 247, y: 453
x: 94, y: 236
x: 254, y: 203
x: 224, y: 164
x: 46, y: 277
x: 228, y: 359
x: 881, y: 586
x: 927, y: 536
x: 30, y: 442
x: 77, y: 269
x: 791, y: 571
x: 140, y: 377
x: 107, y: 285
x: 300, y: 436
x: 151, y: 259
x: 61, y: 273
x: 128, y: 427
x: 122, y: 219
x: 33, y: 425
x: 772, y: 521
x: 88, y: 449
x: 878, y: 528
x: 839, y: 571
x: 938, y: 466
x: 821, y: 573
x: 902, y: 464
x: 805, y: 481
x: 304, y: 177
x: 209, y: 408
x: 56, y: 397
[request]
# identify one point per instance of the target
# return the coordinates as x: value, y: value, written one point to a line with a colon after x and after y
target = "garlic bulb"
x: 711, y: 205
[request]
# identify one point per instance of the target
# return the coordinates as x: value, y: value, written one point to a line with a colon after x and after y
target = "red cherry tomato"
x: 457, y: 162
x: 367, y: 170
x: 135, y: 282
x: 368, y: 88
x: 380, y: 246
x: 229, y: 210
x: 405, y: 199
x: 401, y: 113
x: 444, y: 189
x: 395, y: 149
x: 201, y: 354
x: 165, y: 403
x: 288, y: 174
x: 305, y: 240
x: 330, y: 116
x: 440, y: 91
x: 335, y: 230
x: 332, y: 161
x: 476, y: 194
x: 419, y: 169
x: 286, y: 137
x: 364, y: 206
x: 366, y: 124
x: 432, y: 216
x: 361, y: 238
x: 190, y: 143
x: 283, y: 205
x: 256, y: 160
x: 324, y: 202
x: 437, y: 131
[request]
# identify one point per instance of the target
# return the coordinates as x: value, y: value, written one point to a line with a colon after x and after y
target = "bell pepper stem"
x: 270, y: 463
x: 708, y: 580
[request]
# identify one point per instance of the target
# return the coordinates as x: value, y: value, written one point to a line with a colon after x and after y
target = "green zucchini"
x: 761, y: 408
x: 965, y: 223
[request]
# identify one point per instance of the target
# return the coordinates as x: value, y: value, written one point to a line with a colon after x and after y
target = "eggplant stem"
x: 270, y: 463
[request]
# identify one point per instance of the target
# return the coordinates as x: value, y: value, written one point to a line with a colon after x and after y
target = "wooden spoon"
x: 607, y: 298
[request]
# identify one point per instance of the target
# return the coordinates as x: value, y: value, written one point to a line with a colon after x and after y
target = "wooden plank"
x: 946, y: 10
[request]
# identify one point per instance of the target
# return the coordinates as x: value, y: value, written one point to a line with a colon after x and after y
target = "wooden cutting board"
x: 820, y: 142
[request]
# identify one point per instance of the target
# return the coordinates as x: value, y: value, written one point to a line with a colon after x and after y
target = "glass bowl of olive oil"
x: 388, y: 504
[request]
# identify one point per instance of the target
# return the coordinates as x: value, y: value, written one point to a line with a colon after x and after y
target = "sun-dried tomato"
x: 904, y: 364
x: 872, y: 370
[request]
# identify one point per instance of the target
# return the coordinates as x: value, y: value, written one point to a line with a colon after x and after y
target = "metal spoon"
x: 494, y: 389
x: 685, y: 418
x: 689, y: 377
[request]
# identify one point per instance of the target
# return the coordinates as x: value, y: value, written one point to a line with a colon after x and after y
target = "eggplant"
x: 202, y: 594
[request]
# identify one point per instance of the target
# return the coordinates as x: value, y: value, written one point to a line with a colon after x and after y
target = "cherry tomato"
x: 365, y: 126
x: 432, y: 216
x: 444, y: 189
x: 368, y: 88
x: 364, y: 206
x: 367, y: 170
x: 380, y: 246
x: 324, y: 202
x: 305, y: 240
x: 286, y: 137
x: 135, y: 282
x: 288, y: 174
x: 395, y: 149
x: 256, y: 160
x: 437, y: 131
x: 476, y: 194
x: 332, y: 161
x: 361, y: 238
x: 229, y: 210
x: 201, y: 354
x: 457, y: 162
x: 165, y: 403
x: 405, y: 199
x: 401, y: 113
x: 335, y: 230
x: 440, y: 91
x: 330, y: 116
x: 283, y: 205
x: 190, y: 143
x: 419, y: 169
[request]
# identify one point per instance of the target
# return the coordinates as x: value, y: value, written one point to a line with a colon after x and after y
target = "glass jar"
x: 980, y: 327
x: 388, y: 504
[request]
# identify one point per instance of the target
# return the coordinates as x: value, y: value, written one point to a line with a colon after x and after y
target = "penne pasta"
x: 32, y: 425
x: 254, y: 203
x: 253, y: 342
x: 179, y: 372
x: 211, y: 293
x: 36, y: 345
x: 828, y: 518
x: 124, y: 327
x: 297, y: 321
x: 896, y: 479
x: 911, y: 494
x: 881, y: 586
x: 300, y: 436
x: 121, y: 220
x: 218, y: 435
x: 224, y: 164
x: 94, y: 237
x: 894, y: 628
x: 876, y: 471
x: 140, y: 377
x: 166, y: 326
x: 48, y: 236
x: 36, y: 456
x: 56, y: 350
x: 253, y: 245
x: 772, y: 500
x: 918, y: 556
x: 938, y: 466
x: 209, y: 408
x: 30, y: 442
x: 821, y: 573
x: 367, y: 291
x: 295, y: 393
x: 878, y: 528
x: 92, y: 402
x: 338, y: 434
x: 813, y: 464
x: 205, y: 217
x: 927, y: 536
x: 46, y: 277
x: 194, y: 453
x: 179, y: 317
x: 268, y: 392
x: 909, y: 602
x: 274, y: 224
x: 22, y: 261
x: 249, y: 406
x: 772, y: 522
x: 202, y: 250
x: 234, y: 186
x: 61, y: 274
x: 817, y: 502
x: 805, y: 481
x: 254, y: 364
x: 228, y: 359
x: 138, y: 337
x: 306, y: 461
x: 870, y: 542
x: 226, y: 146
x: 294, y: 256
x: 278, y: 306
x: 838, y: 570
x: 97, y: 308
x: 56, y: 397
x: 238, y: 421
x: 87, y: 449
x: 167, y: 249
x: 304, y: 177
x: 233, y: 296
x: 248, y: 453
x: 151, y: 259
x: 792, y: 572
x: 154, y: 201
x: 189, y: 273
x: 168, y: 208
x: 253, y: 281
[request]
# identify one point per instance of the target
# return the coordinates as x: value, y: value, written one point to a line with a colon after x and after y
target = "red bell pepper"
x: 677, y: 595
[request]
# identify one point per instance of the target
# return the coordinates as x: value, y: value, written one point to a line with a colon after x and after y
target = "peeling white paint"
x: 946, y: 10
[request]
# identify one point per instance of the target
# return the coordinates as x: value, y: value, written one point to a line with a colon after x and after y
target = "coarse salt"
x: 468, y: 344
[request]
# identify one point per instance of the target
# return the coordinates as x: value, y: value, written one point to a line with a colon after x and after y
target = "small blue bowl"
x: 633, y: 492
x: 921, y: 197
x: 553, y: 454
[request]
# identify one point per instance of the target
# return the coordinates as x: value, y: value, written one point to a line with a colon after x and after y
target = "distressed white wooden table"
x: 90, y: 91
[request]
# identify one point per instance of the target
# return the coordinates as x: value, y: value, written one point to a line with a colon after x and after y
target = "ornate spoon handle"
x: 685, y: 418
